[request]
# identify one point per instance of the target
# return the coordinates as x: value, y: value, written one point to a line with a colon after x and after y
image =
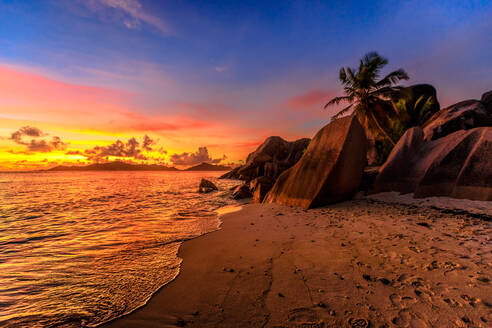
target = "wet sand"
x: 354, y: 264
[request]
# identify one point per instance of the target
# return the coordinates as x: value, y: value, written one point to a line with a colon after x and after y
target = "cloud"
x: 200, y: 156
x: 25, y: 131
x: 134, y: 14
x: 308, y: 99
x: 131, y: 149
x: 148, y: 143
x: 34, y: 145
x: 220, y: 69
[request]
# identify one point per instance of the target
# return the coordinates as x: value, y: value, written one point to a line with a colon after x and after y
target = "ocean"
x: 78, y: 249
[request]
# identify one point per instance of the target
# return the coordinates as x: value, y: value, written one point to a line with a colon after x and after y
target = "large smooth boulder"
x: 241, y: 192
x: 330, y: 171
x: 487, y: 101
x: 233, y: 174
x: 206, y: 186
x: 465, y: 171
x: 415, y: 98
x: 272, y: 157
x: 260, y: 187
x: 263, y: 180
x: 383, y: 113
x: 368, y: 178
x: 457, y: 165
x: 401, y: 171
x: 464, y: 115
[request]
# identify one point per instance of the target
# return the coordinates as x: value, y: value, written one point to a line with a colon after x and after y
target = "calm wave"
x: 81, y: 248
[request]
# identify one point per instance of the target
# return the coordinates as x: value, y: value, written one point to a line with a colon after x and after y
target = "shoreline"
x: 277, y: 266
x: 221, y: 211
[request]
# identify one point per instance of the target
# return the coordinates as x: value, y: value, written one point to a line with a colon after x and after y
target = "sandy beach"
x: 361, y: 263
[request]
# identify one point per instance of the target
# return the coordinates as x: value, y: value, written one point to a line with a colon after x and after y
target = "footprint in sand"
x: 395, y: 299
x: 452, y: 302
x: 483, y: 279
x: 403, y: 319
x: 418, y: 323
x: 305, y: 317
x: 358, y: 323
x: 473, y: 301
x: 399, y: 301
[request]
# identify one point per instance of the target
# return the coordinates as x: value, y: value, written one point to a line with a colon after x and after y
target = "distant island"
x: 208, y: 167
x: 121, y: 166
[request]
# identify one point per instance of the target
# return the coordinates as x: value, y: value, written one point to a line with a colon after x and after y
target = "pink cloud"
x: 34, y: 97
x: 308, y: 99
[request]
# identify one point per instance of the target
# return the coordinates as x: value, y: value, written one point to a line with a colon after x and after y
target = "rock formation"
x: 233, y: 174
x: 272, y: 157
x: 260, y: 187
x: 464, y: 115
x: 241, y: 192
x: 330, y: 170
x: 487, y: 101
x: 463, y: 171
x: 457, y: 165
x: 206, y: 186
x: 400, y: 171
x: 411, y: 106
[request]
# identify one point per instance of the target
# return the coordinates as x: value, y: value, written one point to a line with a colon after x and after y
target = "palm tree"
x: 364, y: 92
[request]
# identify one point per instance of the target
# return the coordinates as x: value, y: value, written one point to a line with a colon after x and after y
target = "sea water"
x: 78, y: 249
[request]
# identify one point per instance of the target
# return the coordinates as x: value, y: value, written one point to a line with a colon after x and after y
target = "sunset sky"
x: 182, y: 82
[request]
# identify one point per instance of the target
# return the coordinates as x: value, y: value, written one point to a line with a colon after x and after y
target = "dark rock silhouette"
x: 465, y: 171
x: 206, y: 186
x: 233, y: 174
x: 457, y: 165
x: 272, y: 157
x: 487, y: 101
x: 400, y: 172
x: 241, y: 192
x: 464, y: 115
x: 410, y: 106
x: 330, y: 170
x: 260, y: 187
x: 368, y: 179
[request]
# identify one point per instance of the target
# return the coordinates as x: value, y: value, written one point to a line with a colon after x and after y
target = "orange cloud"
x: 87, y: 116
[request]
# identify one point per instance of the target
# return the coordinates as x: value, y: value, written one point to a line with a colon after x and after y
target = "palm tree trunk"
x: 381, y: 128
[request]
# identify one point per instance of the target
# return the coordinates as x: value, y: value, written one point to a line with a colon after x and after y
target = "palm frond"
x: 342, y: 76
x: 392, y: 78
x: 386, y: 92
x: 343, y: 111
x: 351, y: 75
x: 337, y: 100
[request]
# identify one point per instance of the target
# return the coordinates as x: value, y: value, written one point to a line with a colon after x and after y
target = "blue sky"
x: 245, y: 63
x: 235, y: 44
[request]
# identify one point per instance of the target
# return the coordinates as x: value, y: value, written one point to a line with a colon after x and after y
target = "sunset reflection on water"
x: 79, y: 249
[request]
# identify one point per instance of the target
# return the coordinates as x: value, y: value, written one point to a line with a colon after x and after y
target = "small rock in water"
x: 206, y: 186
x: 242, y: 192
